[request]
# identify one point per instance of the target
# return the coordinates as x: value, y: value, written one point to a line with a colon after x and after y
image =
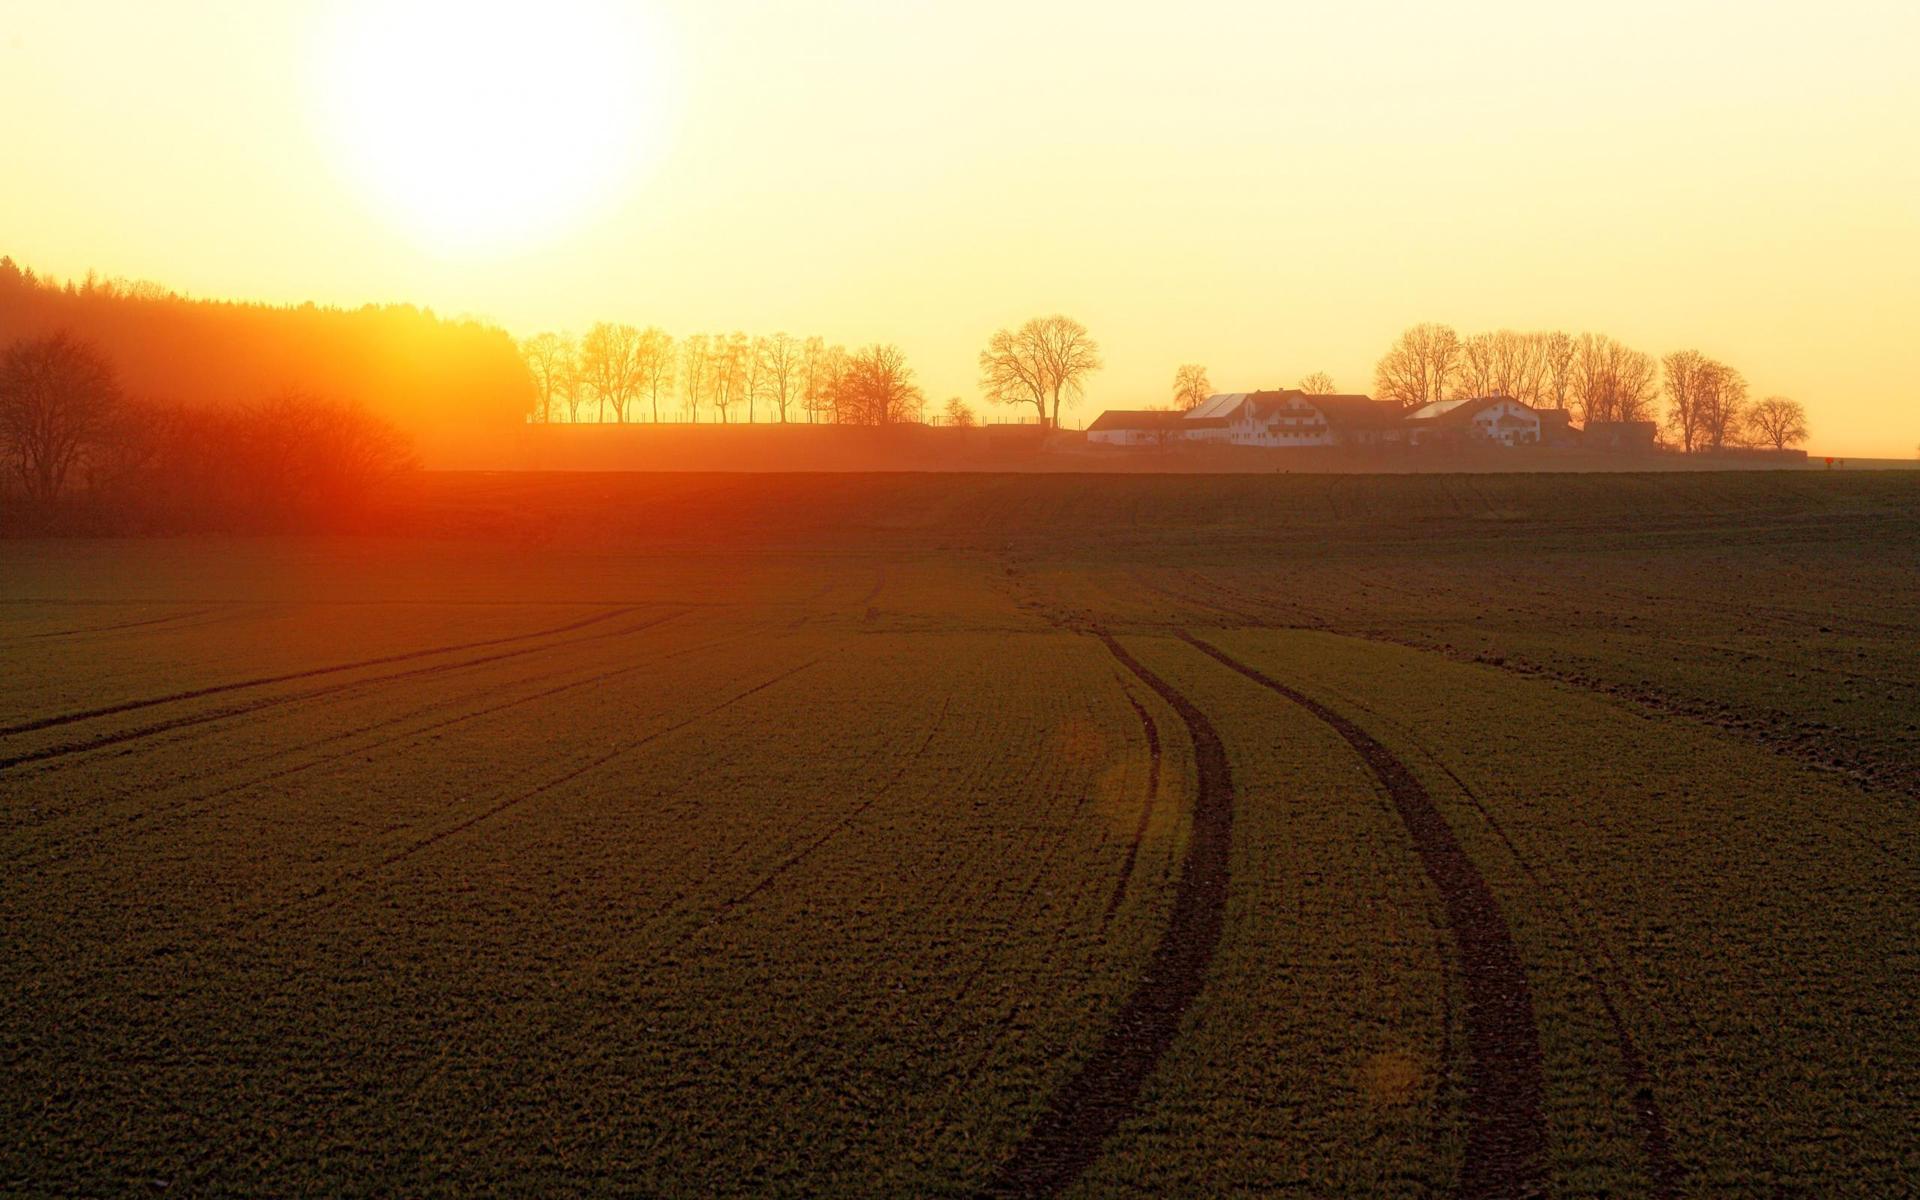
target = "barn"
x: 1498, y: 419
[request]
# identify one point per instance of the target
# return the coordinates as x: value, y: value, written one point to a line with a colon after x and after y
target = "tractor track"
x: 220, y: 798
x: 141, y: 733
x: 1127, y: 864
x: 290, y: 676
x: 1088, y: 1107
x: 1506, y: 1124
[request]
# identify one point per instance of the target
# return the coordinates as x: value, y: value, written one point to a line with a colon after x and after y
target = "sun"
x: 484, y: 124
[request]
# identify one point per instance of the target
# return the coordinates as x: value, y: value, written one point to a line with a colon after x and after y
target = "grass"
x: 800, y: 836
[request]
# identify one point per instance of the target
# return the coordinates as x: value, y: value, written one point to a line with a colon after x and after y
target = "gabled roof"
x: 1222, y: 405
x: 1135, y: 418
x: 1345, y: 410
x: 1454, y: 412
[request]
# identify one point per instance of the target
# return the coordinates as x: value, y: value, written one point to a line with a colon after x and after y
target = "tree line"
x: 620, y: 374
x: 83, y: 453
x: 1593, y: 376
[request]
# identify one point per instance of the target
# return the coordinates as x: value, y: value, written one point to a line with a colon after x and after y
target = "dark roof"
x: 1135, y: 418
x: 1349, y: 411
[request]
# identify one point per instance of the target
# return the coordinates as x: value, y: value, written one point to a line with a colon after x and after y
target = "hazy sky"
x: 1267, y: 188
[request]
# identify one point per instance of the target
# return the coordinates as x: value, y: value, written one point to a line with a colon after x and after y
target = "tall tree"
x: 58, y: 397
x: 1474, y: 374
x: 1191, y: 386
x: 550, y: 360
x: 1611, y: 381
x: 1723, y: 406
x: 610, y: 366
x: 1556, y: 357
x: 656, y: 365
x: 1319, y: 384
x: 729, y: 372
x: 1778, y: 422
x: 1688, y: 379
x: 958, y: 414
x: 781, y: 369
x: 1044, y: 363
x: 877, y: 388
x: 1419, y: 367
x: 696, y: 372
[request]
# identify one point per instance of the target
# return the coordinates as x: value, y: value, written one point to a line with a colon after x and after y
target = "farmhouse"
x: 1137, y: 427
x: 1294, y: 418
x: 1500, y: 419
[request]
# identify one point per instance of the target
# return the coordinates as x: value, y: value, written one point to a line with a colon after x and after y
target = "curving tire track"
x: 1506, y: 1124
x: 1152, y: 730
x: 1090, y: 1106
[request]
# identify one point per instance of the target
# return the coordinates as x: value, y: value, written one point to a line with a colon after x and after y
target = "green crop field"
x: 962, y: 835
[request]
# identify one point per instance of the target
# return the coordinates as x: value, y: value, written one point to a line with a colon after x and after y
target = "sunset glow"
x: 479, y: 125
x: 1268, y: 189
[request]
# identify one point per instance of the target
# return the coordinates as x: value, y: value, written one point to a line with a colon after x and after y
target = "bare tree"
x: 728, y: 368
x: 781, y: 370
x: 1419, y: 367
x: 1473, y: 376
x: 58, y: 396
x: 1191, y: 386
x: 1688, y: 375
x: 1044, y: 363
x: 877, y: 388
x: 753, y: 377
x: 1612, y: 382
x: 1319, y: 384
x: 1519, y: 365
x: 1556, y: 357
x: 656, y: 366
x: 958, y: 414
x: 550, y: 360
x: 696, y: 371
x: 1778, y: 422
x: 610, y: 366
x: 1070, y: 354
x: 1723, y: 406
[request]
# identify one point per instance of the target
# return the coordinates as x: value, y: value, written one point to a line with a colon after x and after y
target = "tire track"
x: 288, y: 677
x: 1085, y: 1110
x: 1152, y: 731
x: 1506, y: 1126
x: 140, y: 733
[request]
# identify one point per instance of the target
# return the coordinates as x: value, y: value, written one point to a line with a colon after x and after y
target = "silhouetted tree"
x: 58, y: 398
x: 1613, y: 382
x: 1319, y: 384
x: 1778, y: 422
x: 1419, y: 367
x: 656, y: 366
x: 1556, y: 355
x: 1191, y: 386
x: 610, y: 366
x: 877, y: 388
x: 696, y: 371
x: 550, y: 359
x: 780, y: 369
x: 1044, y: 363
x: 958, y: 414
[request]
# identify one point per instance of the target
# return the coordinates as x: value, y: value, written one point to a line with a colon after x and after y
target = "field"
x: 921, y: 835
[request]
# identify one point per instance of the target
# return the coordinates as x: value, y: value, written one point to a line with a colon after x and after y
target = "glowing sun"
x: 485, y: 123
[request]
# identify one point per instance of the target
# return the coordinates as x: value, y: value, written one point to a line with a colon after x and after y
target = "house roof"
x: 1347, y: 411
x: 1135, y: 418
x: 1221, y: 406
x: 1454, y: 412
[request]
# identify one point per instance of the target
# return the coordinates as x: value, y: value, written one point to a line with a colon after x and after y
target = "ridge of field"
x: 802, y: 836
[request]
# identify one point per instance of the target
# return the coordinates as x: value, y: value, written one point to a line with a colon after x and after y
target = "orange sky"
x: 1268, y: 188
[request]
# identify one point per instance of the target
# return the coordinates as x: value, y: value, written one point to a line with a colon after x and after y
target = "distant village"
x: 1297, y: 419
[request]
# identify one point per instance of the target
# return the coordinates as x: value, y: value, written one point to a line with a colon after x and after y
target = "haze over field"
x: 1268, y: 189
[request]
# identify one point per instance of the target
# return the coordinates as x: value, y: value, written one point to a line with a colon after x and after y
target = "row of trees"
x: 77, y: 445
x: 1592, y: 375
x: 622, y: 373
